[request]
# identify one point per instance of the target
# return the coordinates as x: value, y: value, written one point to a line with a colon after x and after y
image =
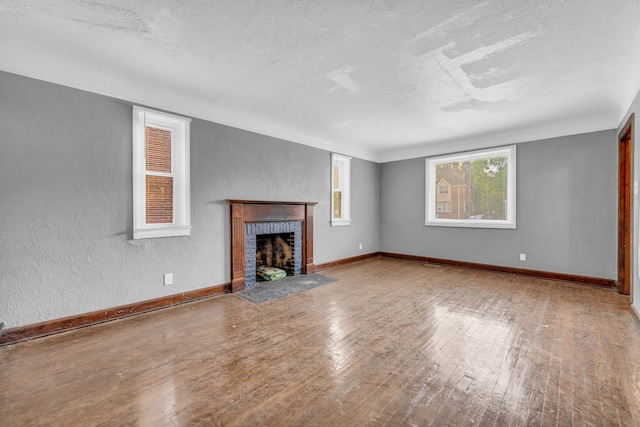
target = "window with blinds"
x: 160, y: 174
x: 340, y: 188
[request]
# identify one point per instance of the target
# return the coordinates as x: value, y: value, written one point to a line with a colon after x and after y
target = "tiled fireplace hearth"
x: 251, y: 219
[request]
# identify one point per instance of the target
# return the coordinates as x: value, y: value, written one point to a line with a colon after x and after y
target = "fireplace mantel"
x: 250, y: 211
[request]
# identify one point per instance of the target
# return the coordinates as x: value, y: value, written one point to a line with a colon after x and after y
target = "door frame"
x: 626, y: 192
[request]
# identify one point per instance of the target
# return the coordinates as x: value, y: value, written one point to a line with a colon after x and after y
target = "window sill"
x: 473, y: 224
x: 150, y: 233
x: 340, y: 222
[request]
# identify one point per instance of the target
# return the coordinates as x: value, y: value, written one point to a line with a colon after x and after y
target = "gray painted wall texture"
x: 635, y: 284
x: 66, y: 203
x: 566, y: 211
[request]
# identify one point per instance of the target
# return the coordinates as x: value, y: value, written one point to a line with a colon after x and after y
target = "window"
x: 480, y: 189
x: 444, y: 207
x: 340, y: 184
x: 160, y: 174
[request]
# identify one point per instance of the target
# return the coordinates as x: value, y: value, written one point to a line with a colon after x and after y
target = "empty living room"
x: 336, y: 213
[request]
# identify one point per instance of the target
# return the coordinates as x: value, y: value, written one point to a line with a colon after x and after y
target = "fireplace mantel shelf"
x: 252, y: 211
x: 269, y: 202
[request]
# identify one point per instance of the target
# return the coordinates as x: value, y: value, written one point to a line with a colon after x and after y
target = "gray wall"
x: 66, y: 208
x: 635, y: 283
x: 65, y: 203
x: 566, y: 211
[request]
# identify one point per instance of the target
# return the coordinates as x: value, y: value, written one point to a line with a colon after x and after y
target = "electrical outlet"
x: 168, y: 279
x: 523, y: 257
x: 360, y: 245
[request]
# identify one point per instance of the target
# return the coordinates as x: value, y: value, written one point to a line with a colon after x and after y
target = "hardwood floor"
x: 392, y: 342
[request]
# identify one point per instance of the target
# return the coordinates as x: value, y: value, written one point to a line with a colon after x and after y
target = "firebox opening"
x: 276, y: 250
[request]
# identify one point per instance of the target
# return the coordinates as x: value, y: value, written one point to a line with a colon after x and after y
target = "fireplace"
x: 256, y: 224
x: 278, y: 250
x: 272, y: 244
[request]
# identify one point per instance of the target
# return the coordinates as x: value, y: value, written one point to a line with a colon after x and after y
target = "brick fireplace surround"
x: 245, y: 212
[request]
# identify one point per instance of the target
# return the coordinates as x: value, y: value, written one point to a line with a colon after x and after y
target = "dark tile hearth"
x: 290, y: 285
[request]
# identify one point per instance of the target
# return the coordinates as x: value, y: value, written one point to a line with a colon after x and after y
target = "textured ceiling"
x: 378, y: 79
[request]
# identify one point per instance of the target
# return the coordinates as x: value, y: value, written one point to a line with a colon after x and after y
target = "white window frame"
x: 180, y: 138
x: 431, y: 218
x: 344, y: 168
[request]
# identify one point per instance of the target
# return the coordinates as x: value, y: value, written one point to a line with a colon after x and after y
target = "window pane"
x: 476, y: 189
x: 158, y: 149
x: 337, y: 204
x: 159, y: 199
x: 453, y: 190
x: 336, y: 176
x: 489, y: 188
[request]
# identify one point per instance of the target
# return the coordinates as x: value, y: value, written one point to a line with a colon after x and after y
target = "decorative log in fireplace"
x: 253, y: 211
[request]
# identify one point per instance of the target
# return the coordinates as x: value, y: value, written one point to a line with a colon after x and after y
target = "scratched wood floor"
x: 391, y: 342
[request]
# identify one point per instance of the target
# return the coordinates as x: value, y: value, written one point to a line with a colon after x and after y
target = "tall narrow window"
x: 340, y: 186
x: 160, y: 174
x: 474, y: 189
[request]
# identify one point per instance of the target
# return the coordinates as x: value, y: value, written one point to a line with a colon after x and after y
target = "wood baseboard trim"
x: 56, y: 326
x: 345, y: 261
x: 548, y: 275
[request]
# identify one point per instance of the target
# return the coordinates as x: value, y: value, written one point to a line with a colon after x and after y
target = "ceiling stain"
x: 97, y: 14
x: 342, y: 79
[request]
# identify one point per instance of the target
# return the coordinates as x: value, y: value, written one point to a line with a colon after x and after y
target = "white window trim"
x: 180, y: 136
x: 344, y: 165
x: 430, y: 193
